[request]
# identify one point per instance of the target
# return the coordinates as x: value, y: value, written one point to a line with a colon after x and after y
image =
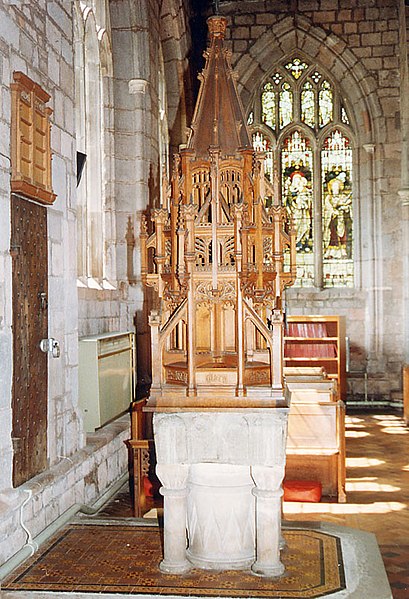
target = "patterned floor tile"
x: 130, y: 564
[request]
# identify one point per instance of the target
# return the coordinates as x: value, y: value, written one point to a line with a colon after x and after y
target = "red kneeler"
x: 302, y: 490
x: 151, y: 488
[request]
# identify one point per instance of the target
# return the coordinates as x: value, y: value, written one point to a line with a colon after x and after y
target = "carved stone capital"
x: 173, y: 477
x: 404, y: 196
x: 268, y: 481
x: 369, y: 148
x: 137, y: 86
x: 154, y: 318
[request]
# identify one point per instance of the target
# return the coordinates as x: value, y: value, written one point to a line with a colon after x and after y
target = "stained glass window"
x: 300, y: 96
x: 316, y: 76
x: 308, y: 104
x: 336, y: 166
x: 297, y: 193
x: 268, y: 104
x: 262, y: 144
x: 277, y: 77
x: 325, y: 104
x: 286, y: 104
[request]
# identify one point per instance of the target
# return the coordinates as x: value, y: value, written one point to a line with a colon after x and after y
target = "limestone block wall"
x: 359, y: 44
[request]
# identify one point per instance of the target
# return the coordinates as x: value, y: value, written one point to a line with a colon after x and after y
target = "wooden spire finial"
x: 217, y: 27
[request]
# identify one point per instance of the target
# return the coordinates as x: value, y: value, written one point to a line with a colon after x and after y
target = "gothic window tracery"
x: 300, y: 122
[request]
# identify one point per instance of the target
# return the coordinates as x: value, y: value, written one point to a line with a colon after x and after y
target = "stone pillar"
x: 174, y: 478
x: 374, y: 272
x: 318, y: 226
x: 404, y: 186
x: 268, y: 493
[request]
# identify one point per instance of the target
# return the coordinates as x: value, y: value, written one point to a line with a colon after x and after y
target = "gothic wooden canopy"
x: 217, y: 260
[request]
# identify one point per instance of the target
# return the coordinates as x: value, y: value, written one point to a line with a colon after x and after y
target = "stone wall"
x: 158, y: 39
x: 37, y: 39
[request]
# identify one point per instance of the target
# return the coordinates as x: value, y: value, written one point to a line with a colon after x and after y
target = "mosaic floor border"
x: 122, y: 559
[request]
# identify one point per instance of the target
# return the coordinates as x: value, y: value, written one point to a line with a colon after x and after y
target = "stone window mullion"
x: 296, y: 103
x: 317, y: 222
x: 257, y: 108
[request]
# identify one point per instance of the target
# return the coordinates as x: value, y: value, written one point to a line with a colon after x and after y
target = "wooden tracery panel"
x: 30, y: 140
x: 29, y: 396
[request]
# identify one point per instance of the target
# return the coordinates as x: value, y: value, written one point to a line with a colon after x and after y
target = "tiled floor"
x: 377, y: 493
x: 73, y: 561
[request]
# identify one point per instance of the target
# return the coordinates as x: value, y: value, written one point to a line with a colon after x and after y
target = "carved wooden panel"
x: 30, y: 140
x: 30, y: 325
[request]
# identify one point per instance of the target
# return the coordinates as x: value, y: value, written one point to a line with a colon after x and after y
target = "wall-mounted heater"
x: 106, y: 377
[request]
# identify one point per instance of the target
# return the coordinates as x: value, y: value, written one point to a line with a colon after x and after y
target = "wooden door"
x: 30, y: 324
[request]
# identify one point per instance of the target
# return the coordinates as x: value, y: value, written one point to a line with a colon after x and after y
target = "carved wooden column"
x: 154, y: 323
x: 278, y: 340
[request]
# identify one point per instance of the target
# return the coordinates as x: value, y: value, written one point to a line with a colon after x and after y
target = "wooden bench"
x: 316, y: 445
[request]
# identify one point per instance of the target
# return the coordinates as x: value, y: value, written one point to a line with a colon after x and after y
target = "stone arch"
x: 93, y: 171
x: 293, y: 33
x: 80, y: 133
x: 105, y: 51
x: 94, y: 118
x: 175, y: 49
x: 99, y: 8
x: 79, y: 65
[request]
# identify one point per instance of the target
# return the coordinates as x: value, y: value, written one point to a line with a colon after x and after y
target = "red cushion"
x: 302, y: 490
x: 147, y: 487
